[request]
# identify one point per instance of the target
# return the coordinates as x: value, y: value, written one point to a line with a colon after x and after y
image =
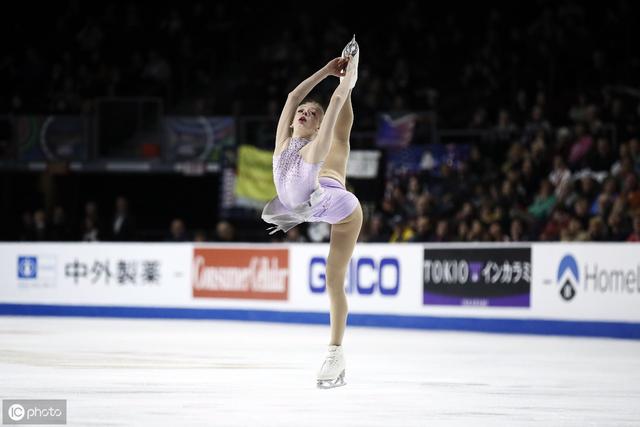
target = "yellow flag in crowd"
x: 254, y: 182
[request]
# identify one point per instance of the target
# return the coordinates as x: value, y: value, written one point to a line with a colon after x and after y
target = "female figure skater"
x: 309, y: 169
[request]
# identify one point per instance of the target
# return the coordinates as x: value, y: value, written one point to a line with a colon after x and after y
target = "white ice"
x: 116, y: 372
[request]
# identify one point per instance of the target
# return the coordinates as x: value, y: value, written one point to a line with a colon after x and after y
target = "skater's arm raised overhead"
x: 335, y: 67
x: 318, y: 151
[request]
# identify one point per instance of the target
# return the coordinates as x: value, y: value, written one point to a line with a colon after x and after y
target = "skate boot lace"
x: 331, y: 360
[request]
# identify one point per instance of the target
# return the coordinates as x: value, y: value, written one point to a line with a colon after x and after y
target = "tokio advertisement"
x: 240, y: 273
x: 132, y: 274
x: 587, y: 281
x: 477, y: 276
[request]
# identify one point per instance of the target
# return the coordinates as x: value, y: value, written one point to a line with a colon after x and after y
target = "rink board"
x: 566, y: 289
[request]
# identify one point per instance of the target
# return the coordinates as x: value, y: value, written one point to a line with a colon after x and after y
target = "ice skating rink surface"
x: 121, y: 372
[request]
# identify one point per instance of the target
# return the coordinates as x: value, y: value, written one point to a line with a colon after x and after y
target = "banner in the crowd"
x: 254, y: 182
x: 587, y: 281
x: 244, y: 273
x: 437, y: 155
x: 395, y: 132
x: 363, y: 164
x: 198, y: 138
x: 480, y: 276
x: 51, y: 138
x: 105, y: 273
x: 431, y: 157
x: 405, y: 160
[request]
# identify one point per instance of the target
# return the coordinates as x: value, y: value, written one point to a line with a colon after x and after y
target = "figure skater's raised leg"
x: 335, y: 165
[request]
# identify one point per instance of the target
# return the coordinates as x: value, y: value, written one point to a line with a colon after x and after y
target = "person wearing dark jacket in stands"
x: 123, y: 225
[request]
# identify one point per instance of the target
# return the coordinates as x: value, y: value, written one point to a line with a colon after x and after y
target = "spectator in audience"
x: 401, y: 231
x: 573, y: 232
x: 90, y: 232
x: 423, y: 230
x: 624, y: 164
x: 60, y: 231
x: 505, y: 131
x: 603, y: 202
x: 602, y: 158
x: 91, y: 214
x: 536, y: 123
x: 559, y: 221
x: 587, y: 188
x: 177, y: 231
x: 544, y: 201
x: 442, y: 231
x: 26, y: 227
x: 413, y: 190
x: 597, y: 230
x: 517, y: 231
x: 123, y: 225
x: 631, y: 193
x: 581, y: 146
x: 529, y: 177
x: 377, y: 231
x: 496, y: 234
x: 560, y: 177
x: 466, y: 213
x: 200, y: 236
x: 581, y: 212
x: 225, y: 232
x: 477, y: 232
x: 295, y: 236
x: 618, y: 232
x: 40, y: 226
x: 635, y: 234
x: 462, y: 232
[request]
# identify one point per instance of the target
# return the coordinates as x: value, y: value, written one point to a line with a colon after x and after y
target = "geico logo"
x: 365, y: 276
x: 446, y: 271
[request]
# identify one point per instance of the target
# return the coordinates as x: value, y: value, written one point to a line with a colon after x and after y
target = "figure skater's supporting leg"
x: 343, y: 240
x: 335, y: 165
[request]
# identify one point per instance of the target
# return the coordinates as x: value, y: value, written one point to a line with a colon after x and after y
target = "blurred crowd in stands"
x: 121, y: 226
x: 234, y: 57
x: 555, y: 86
x: 532, y: 194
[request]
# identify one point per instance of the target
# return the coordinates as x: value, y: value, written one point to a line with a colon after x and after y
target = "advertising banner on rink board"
x: 380, y: 278
x: 477, y: 276
x: 244, y: 273
x: 87, y: 273
x: 587, y: 281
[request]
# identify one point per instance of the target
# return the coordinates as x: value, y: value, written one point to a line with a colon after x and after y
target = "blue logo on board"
x: 365, y: 276
x: 27, y: 267
x: 568, y: 269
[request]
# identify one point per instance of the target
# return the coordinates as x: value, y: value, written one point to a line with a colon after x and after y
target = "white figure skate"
x: 352, y: 49
x: 332, y: 372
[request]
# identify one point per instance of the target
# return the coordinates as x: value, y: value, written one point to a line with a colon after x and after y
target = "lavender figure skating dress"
x: 302, y: 196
